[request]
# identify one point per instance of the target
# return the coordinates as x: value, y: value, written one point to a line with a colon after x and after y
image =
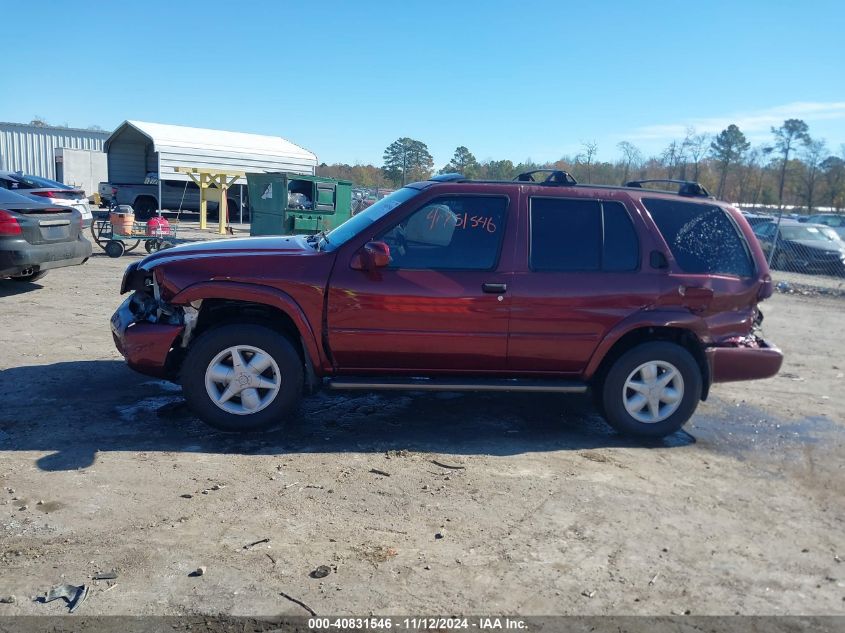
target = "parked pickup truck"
x: 176, y: 194
x: 645, y: 298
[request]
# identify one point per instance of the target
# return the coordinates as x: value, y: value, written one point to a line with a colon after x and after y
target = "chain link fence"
x: 803, y: 251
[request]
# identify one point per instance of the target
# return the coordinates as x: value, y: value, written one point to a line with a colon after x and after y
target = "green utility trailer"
x: 287, y: 204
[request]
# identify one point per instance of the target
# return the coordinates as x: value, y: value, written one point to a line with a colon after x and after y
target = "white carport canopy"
x: 215, y: 150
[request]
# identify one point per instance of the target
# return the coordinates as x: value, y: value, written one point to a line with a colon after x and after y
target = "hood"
x: 818, y: 245
x: 279, y: 245
x: 221, y: 259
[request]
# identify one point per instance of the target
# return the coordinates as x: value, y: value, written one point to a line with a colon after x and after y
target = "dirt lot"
x: 533, y: 506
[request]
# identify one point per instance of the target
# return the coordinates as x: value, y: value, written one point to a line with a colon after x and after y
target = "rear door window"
x: 571, y: 235
x: 702, y: 238
x: 621, y: 249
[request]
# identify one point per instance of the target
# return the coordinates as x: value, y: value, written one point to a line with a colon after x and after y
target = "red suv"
x: 643, y: 297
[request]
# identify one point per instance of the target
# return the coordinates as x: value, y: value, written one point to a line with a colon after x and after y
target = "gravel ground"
x: 414, y: 503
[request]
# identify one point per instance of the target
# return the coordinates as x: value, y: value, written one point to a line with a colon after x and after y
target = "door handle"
x: 494, y: 288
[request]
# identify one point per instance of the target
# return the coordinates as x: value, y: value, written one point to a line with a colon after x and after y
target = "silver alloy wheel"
x: 653, y: 391
x: 242, y: 379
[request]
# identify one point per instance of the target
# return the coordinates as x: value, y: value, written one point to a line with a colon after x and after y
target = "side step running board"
x: 375, y: 383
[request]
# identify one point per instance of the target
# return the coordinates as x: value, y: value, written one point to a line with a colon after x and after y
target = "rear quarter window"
x: 702, y: 238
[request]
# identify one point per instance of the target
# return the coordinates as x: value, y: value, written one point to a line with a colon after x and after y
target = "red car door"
x: 441, y: 305
x: 579, y: 273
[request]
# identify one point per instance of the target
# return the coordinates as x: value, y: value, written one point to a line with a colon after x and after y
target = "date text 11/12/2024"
x: 478, y: 623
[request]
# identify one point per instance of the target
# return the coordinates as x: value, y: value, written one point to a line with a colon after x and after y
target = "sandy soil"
x: 415, y: 503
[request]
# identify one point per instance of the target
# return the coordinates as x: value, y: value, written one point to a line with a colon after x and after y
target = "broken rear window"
x: 702, y: 237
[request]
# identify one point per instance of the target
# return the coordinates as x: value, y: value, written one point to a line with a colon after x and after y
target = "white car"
x: 51, y: 191
x: 833, y: 220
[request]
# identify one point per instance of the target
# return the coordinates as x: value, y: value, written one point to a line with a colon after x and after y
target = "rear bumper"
x: 17, y: 255
x: 144, y: 345
x: 750, y: 359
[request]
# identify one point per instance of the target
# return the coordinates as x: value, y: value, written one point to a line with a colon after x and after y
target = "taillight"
x: 44, y: 194
x: 9, y: 224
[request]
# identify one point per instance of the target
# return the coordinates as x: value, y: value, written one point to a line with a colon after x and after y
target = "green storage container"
x: 286, y: 203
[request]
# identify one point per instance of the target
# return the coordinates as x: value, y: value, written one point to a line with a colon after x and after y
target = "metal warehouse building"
x: 32, y: 148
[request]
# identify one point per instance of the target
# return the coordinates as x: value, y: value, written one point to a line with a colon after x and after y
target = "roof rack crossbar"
x: 555, y: 177
x: 689, y: 188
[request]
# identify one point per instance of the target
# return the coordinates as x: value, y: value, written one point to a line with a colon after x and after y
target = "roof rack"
x: 555, y: 177
x: 688, y: 188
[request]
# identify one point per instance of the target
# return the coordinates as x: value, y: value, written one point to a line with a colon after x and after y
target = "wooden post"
x: 224, y: 204
x: 204, y: 178
x: 203, y: 200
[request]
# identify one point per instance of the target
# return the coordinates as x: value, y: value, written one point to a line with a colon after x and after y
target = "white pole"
x: 158, y: 155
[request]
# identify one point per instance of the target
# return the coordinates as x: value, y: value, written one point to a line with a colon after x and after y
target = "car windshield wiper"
x: 316, y: 237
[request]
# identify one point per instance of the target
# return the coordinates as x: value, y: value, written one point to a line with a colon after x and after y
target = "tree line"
x: 793, y: 168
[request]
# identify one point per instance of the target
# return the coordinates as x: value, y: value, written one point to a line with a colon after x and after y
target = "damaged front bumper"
x: 743, y: 358
x: 147, y: 332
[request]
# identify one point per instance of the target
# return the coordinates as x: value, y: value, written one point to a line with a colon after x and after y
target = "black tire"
x: 114, y: 248
x: 614, y: 392
x: 30, y: 278
x: 215, y: 342
x: 150, y: 246
x: 145, y: 208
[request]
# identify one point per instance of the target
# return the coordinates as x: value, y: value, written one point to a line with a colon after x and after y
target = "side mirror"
x: 373, y: 255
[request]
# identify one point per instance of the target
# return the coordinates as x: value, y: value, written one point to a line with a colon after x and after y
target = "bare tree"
x: 631, y: 157
x: 696, y: 145
x: 749, y: 180
x: 672, y: 157
x: 590, y: 151
x: 813, y: 156
x: 833, y: 168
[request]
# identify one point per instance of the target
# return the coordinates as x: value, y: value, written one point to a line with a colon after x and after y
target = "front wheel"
x: 242, y: 378
x: 115, y: 248
x: 652, y: 390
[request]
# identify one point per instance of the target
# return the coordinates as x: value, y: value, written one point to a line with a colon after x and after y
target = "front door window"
x: 459, y: 233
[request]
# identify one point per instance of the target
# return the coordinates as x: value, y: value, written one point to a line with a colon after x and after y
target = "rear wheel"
x: 30, y: 277
x: 652, y: 390
x: 242, y: 378
x: 114, y: 248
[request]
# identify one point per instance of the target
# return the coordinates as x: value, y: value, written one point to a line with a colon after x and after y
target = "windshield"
x: 358, y: 223
x: 808, y: 233
x: 35, y: 182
